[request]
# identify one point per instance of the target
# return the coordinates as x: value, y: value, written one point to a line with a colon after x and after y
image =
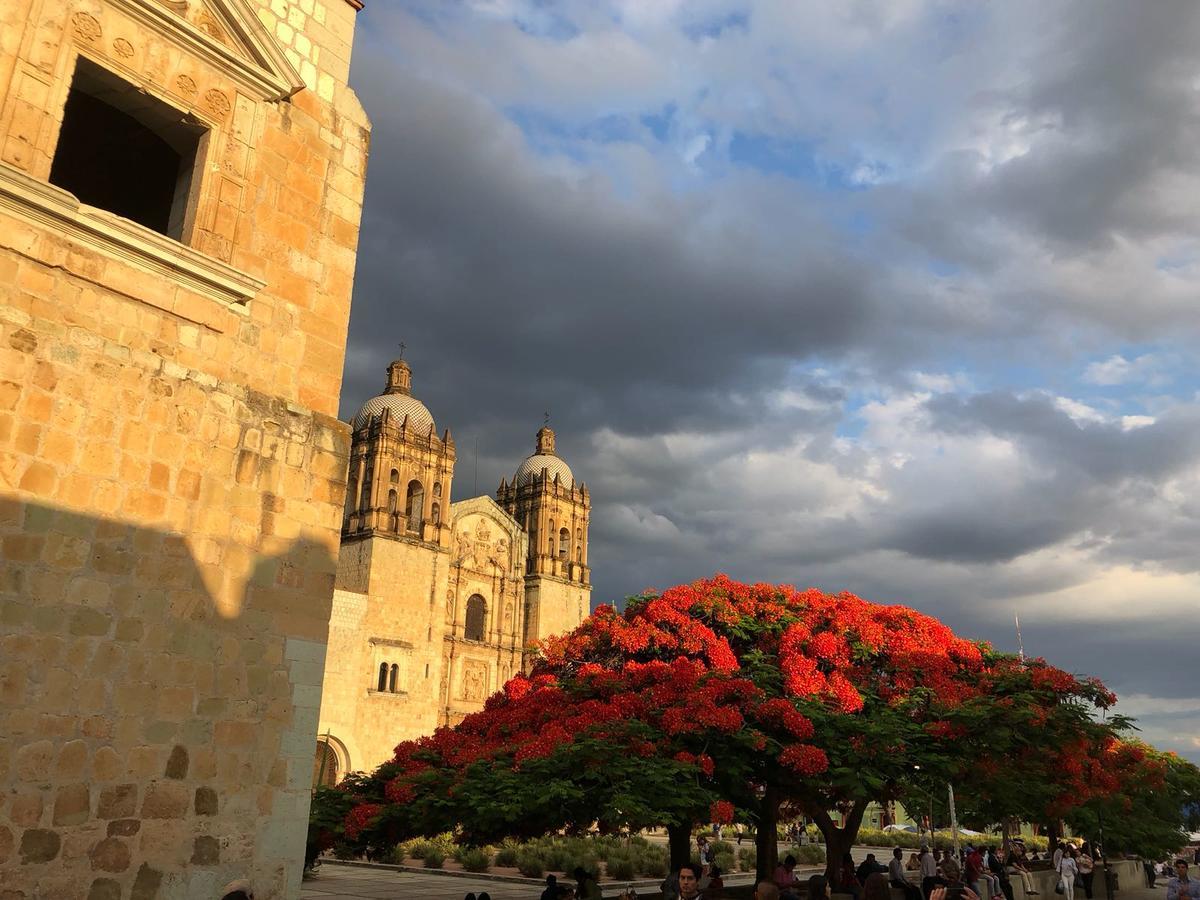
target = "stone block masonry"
x: 172, y: 476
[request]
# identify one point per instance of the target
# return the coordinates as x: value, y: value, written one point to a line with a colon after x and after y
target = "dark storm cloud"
x: 551, y: 293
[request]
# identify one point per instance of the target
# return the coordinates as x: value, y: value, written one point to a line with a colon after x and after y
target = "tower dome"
x: 544, y: 457
x: 398, y: 400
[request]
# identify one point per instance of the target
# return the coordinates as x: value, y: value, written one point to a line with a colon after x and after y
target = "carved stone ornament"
x: 474, y: 681
x: 209, y: 26
x: 465, y: 550
x: 186, y: 86
x: 483, y: 542
x: 217, y: 102
x: 122, y: 48
x: 86, y: 27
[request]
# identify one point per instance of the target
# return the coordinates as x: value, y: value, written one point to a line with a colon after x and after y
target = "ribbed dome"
x: 399, y: 405
x: 532, y: 467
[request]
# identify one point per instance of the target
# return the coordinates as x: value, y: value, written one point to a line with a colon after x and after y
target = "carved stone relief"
x: 85, y: 27
x: 474, y: 680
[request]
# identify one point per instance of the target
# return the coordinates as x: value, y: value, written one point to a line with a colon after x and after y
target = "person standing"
x: 1067, y: 869
x: 897, y: 878
x: 929, y: 873
x: 1180, y: 887
x: 1087, y: 869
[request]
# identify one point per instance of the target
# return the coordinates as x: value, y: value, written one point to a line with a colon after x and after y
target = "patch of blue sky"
x: 716, y: 26
x: 804, y: 160
x: 542, y: 20
x: 659, y: 124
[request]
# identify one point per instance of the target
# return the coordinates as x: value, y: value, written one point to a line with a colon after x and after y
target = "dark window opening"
x: 476, y: 616
x: 383, y: 676
x: 392, y: 681
x: 126, y: 152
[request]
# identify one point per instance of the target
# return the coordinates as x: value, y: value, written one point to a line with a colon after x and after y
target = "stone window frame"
x: 390, y: 653
x: 220, y: 74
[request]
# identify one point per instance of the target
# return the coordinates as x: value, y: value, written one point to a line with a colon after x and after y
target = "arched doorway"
x: 327, y: 769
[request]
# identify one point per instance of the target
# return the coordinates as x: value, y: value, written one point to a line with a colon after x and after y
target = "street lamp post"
x: 953, y: 819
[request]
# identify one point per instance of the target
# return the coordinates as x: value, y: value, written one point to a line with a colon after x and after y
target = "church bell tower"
x: 554, y: 510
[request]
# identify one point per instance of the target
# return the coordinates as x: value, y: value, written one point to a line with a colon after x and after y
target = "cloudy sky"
x: 896, y: 297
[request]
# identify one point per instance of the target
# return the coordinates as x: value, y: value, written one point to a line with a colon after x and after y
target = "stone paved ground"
x: 346, y: 883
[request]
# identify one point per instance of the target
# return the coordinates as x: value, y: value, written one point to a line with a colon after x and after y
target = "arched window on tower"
x: 579, y: 553
x: 476, y: 616
x: 365, y: 504
x: 393, y: 675
x: 383, y: 675
x: 564, y: 543
x: 393, y: 518
x: 351, y: 491
x: 414, y: 506
x: 437, y: 489
x: 435, y: 514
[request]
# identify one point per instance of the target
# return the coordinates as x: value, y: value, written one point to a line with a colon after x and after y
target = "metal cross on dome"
x: 403, y: 346
x: 546, y: 419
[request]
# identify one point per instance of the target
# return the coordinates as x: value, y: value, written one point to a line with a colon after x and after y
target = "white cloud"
x: 1118, y: 370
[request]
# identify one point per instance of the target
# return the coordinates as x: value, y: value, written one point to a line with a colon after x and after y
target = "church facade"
x: 436, y: 603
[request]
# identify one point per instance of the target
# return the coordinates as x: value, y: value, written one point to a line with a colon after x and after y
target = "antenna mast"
x: 1020, y: 643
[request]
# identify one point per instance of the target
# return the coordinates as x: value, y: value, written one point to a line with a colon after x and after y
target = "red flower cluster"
x: 359, y: 818
x: 721, y: 812
x: 804, y: 759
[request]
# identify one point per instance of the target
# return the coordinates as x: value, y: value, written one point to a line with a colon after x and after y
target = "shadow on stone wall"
x: 149, y: 746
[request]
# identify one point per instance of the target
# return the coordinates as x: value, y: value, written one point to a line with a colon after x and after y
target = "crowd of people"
x: 926, y: 875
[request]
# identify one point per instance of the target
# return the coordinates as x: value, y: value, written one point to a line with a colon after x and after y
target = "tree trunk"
x: 838, y: 841
x: 766, y: 841
x: 679, y: 842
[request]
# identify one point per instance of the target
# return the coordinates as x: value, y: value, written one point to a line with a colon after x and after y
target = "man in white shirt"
x: 929, y: 872
x: 898, y: 879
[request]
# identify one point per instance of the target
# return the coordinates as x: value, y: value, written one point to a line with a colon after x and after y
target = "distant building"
x: 436, y: 602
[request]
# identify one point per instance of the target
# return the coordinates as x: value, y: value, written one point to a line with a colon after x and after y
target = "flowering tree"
x: 717, y: 697
x: 1153, y: 798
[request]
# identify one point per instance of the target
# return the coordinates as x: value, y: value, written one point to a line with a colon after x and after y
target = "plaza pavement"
x: 353, y: 883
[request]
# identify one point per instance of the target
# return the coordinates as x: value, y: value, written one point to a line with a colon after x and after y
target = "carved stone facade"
x: 448, y: 590
x: 172, y: 474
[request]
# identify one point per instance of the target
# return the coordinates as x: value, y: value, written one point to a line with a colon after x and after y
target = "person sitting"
x: 876, y: 887
x: 867, y: 868
x: 848, y: 882
x: 898, y: 879
x: 914, y: 862
x: 1018, y: 865
x: 785, y: 875
x: 551, y: 892
x: 818, y: 888
x: 766, y: 890
x: 995, y: 865
x: 586, y: 886
x: 978, y: 872
x: 712, y: 885
x: 952, y: 872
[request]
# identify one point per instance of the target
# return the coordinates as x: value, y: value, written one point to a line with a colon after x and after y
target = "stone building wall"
x: 387, y: 611
x: 171, y: 472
